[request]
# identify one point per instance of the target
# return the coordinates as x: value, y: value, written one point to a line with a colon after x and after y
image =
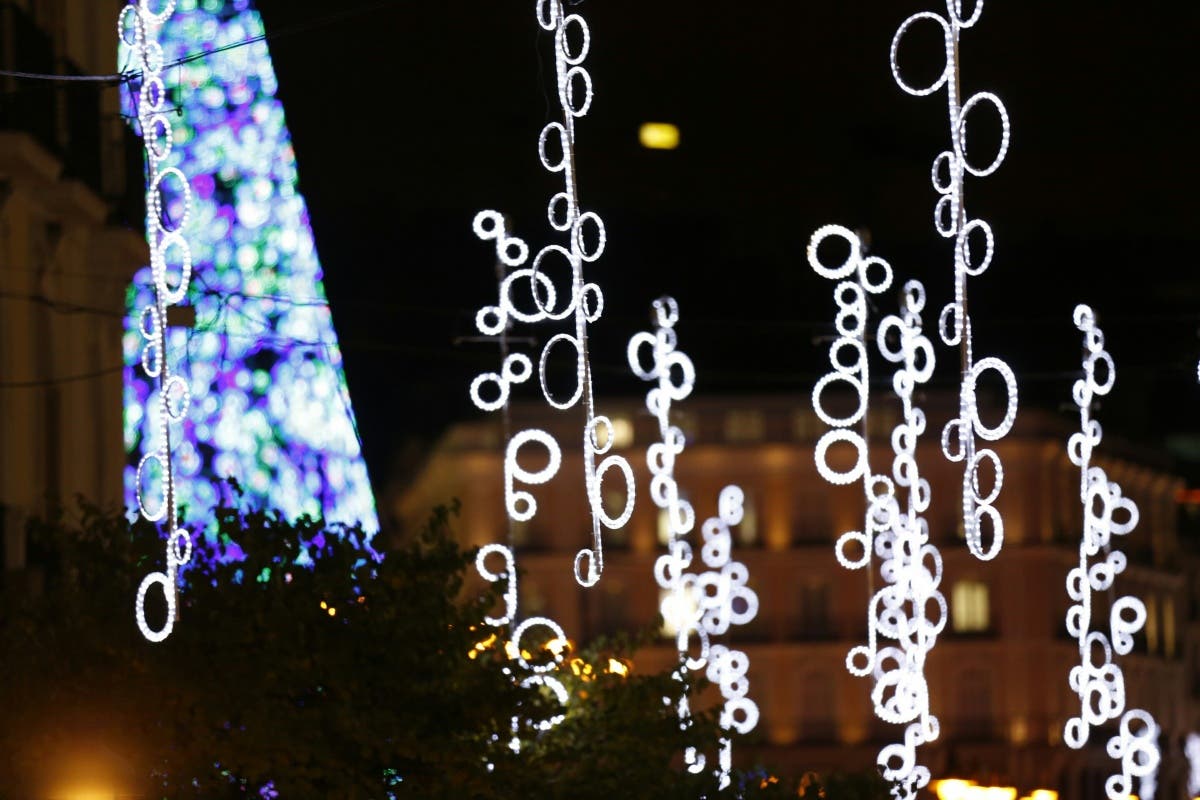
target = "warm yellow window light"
x: 659, y: 136
x: 955, y: 789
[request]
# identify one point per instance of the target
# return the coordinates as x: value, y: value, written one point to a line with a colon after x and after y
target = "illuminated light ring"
x: 509, y: 575
x: 523, y: 628
x: 136, y: 27
x: 950, y: 220
x: 828, y: 473
x: 1101, y: 686
x: 517, y: 369
x: 513, y: 472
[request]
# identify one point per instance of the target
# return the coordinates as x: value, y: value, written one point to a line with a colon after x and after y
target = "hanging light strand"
x: 168, y: 202
x: 1106, y: 515
x: 954, y: 325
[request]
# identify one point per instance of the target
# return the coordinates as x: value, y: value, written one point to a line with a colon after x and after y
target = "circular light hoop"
x: 168, y: 588
x: 151, y: 96
x: 961, y: 133
x: 172, y: 296
x: 863, y: 540
x: 731, y: 505
x: 157, y: 17
x: 666, y: 311
x: 848, y: 267
x: 542, y: 475
x: 538, y: 277
x: 740, y: 714
x: 179, y: 548
x: 490, y: 320
x: 1089, y: 366
x: 509, y: 258
x: 591, y: 310
x: 158, y: 137
x: 586, y: 572
x: 569, y: 92
x: 687, y: 375
x: 178, y: 398
x: 954, y: 427
x: 573, y: 342
x: 547, y: 14
x: 127, y: 23
x: 963, y: 247
x: 481, y: 566
x: 577, y: 236
x: 152, y: 57
x: 156, y: 200
x: 158, y: 513
x: 890, y: 326
x: 855, y: 383
x: 860, y: 355
x: 1010, y: 412
x: 488, y: 225
x: 564, y: 144
x: 620, y: 463
x: 864, y: 274
x: 997, y: 483
x: 946, y: 37
x: 564, y: 45
x: 637, y: 343
x: 821, y: 455
x: 520, y: 632
x: 502, y: 390
x: 975, y: 543
x: 914, y: 296
x: 968, y: 22
x: 560, y: 221
x: 945, y: 216
x: 944, y: 161
x: 950, y: 324
x: 860, y: 661
x: 517, y: 368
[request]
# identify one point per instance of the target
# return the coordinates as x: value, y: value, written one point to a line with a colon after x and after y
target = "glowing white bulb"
x: 1101, y: 685
x: 1191, y: 749
x: 138, y: 25
x: 586, y: 240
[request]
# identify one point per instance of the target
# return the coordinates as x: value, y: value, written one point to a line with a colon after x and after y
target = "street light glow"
x: 658, y: 136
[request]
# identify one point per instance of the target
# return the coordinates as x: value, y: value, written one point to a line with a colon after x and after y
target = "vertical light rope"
x: 168, y: 203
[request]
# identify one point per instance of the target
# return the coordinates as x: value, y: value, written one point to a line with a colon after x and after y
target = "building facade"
x: 998, y: 675
x: 68, y: 170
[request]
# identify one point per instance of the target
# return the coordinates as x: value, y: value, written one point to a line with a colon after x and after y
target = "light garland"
x: 911, y: 565
x: 137, y: 28
x: 954, y: 324
x: 1101, y: 686
x: 584, y: 301
x: 704, y: 604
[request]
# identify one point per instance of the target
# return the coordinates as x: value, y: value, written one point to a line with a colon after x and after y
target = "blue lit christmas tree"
x: 270, y: 407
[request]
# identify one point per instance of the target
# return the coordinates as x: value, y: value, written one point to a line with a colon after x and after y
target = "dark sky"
x: 409, y: 117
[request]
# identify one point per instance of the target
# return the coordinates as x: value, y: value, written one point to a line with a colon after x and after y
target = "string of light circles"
x: 910, y: 564
x: 702, y: 604
x: 546, y: 298
x: 950, y: 219
x: 171, y: 265
x: 1106, y: 514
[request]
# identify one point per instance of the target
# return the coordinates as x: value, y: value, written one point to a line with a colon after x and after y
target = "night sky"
x: 409, y: 117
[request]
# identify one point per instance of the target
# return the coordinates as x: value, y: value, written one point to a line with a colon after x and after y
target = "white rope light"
x: 699, y: 605
x: 954, y: 324
x: 171, y: 264
x: 910, y: 563
x: 581, y: 301
x: 1106, y: 514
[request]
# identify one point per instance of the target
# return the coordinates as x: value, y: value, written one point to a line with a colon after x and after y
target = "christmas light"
x: 1191, y: 749
x: 954, y: 324
x: 269, y: 402
x: 704, y: 604
x: 584, y: 302
x: 1106, y: 514
x: 910, y: 563
x: 167, y: 213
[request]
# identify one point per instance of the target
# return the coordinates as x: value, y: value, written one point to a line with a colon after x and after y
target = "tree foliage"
x: 310, y: 667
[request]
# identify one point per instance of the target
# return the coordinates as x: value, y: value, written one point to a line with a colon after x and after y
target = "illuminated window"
x: 806, y: 426
x: 969, y: 607
x: 744, y: 425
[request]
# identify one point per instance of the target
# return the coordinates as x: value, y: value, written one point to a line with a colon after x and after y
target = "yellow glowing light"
x: 557, y: 646
x: 659, y: 136
x: 1044, y: 794
x: 956, y: 789
x: 332, y: 611
x: 617, y: 668
x: 323, y: 604
x: 510, y: 650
